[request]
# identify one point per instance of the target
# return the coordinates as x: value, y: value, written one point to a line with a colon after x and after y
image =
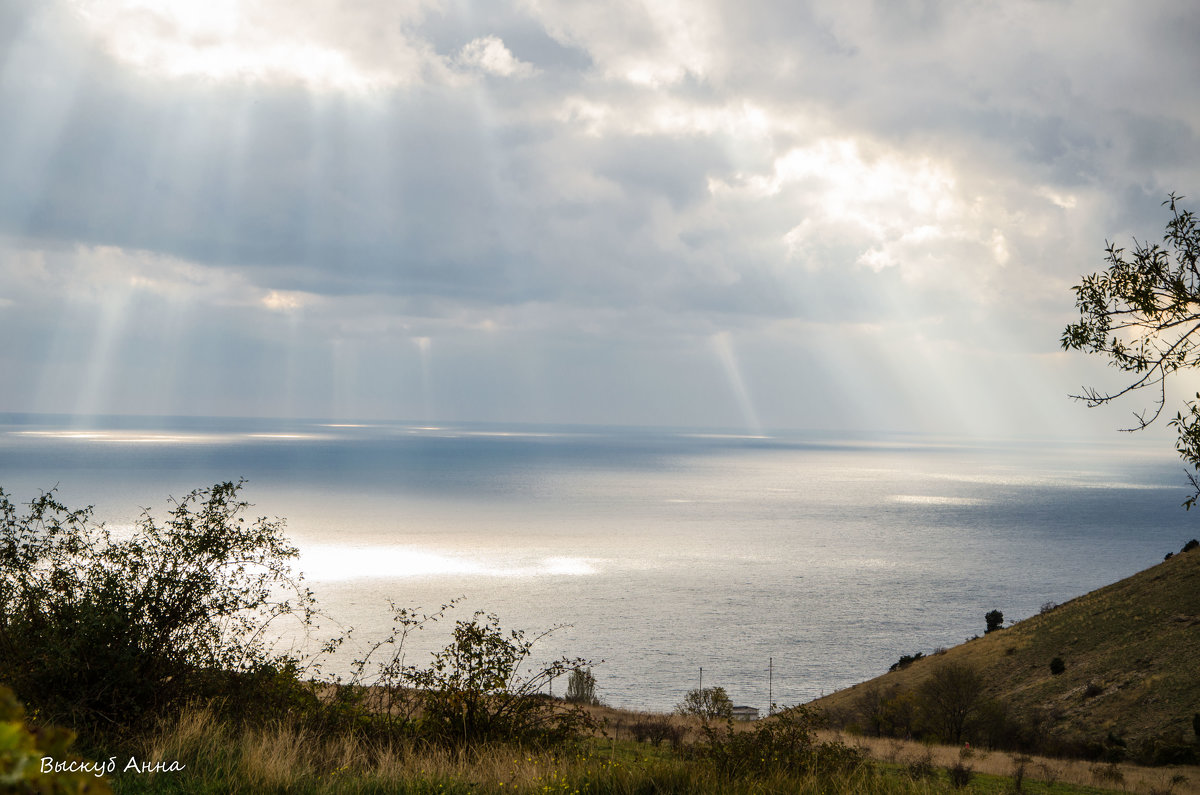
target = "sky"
x: 752, y: 215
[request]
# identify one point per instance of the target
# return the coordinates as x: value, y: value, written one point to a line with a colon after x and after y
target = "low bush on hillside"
x: 905, y: 661
x: 949, y: 706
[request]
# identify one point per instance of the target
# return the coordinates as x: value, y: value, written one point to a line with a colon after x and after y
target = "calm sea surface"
x: 665, y: 551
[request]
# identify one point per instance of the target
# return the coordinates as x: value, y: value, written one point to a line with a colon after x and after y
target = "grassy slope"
x: 1138, y: 640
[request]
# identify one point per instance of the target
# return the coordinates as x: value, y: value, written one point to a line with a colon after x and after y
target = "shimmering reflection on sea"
x: 665, y: 551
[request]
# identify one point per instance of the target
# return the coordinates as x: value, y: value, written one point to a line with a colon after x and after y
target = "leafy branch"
x: 1142, y: 313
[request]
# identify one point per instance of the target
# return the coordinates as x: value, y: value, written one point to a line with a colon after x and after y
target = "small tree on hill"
x: 581, y: 687
x: 949, y: 698
x: 707, y: 704
x: 995, y: 621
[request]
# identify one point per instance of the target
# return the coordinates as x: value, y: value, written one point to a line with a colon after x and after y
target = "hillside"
x: 1132, y: 663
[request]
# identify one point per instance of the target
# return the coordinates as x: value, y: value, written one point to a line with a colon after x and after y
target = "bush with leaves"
x: 786, y: 742
x: 949, y: 699
x: 887, y: 713
x: 479, y: 688
x: 1142, y: 313
x: 97, y: 628
x: 581, y: 687
x: 960, y: 774
x: 905, y: 661
x: 656, y: 728
x: 707, y: 704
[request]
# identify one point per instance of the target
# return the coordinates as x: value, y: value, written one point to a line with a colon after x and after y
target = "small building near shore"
x: 745, y: 713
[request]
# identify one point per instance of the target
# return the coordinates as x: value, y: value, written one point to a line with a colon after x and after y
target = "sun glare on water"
x: 328, y: 563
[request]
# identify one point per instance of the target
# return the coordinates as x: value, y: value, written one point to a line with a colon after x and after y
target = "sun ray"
x: 722, y: 347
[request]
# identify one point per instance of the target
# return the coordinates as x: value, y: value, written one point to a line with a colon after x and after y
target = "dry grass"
x: 1130, y: 651
x: 1123, y: 777
x: 282, y: 758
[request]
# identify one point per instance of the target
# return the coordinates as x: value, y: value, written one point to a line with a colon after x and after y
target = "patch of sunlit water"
x: 322, y: 562
x: 152, y: 437
x: 928, y: 499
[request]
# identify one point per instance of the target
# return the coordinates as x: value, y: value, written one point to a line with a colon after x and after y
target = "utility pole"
x: 770, y: 685
x: 701, y: 681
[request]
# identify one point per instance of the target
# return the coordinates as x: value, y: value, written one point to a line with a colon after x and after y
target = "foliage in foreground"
x: 22, y: 751
x: 97, y: 629
x: 286, y: 758
x: 222, y: 757
x: 108, y: 632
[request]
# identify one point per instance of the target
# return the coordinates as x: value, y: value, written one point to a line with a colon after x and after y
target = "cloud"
x: 313, y: 43
x: 537, y: 181
x: 489, y: 54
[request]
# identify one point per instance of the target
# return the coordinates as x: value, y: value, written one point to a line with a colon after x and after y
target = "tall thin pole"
x: 770, y: 685
x: 701, y: 681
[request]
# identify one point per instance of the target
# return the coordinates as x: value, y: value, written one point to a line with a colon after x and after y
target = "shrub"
x: 1167, y: 748
x: 995, y: 621
x: 1109, y: 774
x: 581, y: 687
x: 706, y: 704
x: 949, y: 698
x: 891, y: 713
x: 1111, y: 749
x: 100, y: 629
x: 921, y: 767
x: 783, y: 743
x: 656, y: 728
x: 1189, y: 546
x: 477, y: 689
x: 994, y: 723
x: 905, y: 661
x: 960, y: 775
x: 1057, y: 666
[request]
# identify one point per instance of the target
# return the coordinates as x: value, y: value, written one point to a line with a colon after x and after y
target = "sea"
x: 779, y: 566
